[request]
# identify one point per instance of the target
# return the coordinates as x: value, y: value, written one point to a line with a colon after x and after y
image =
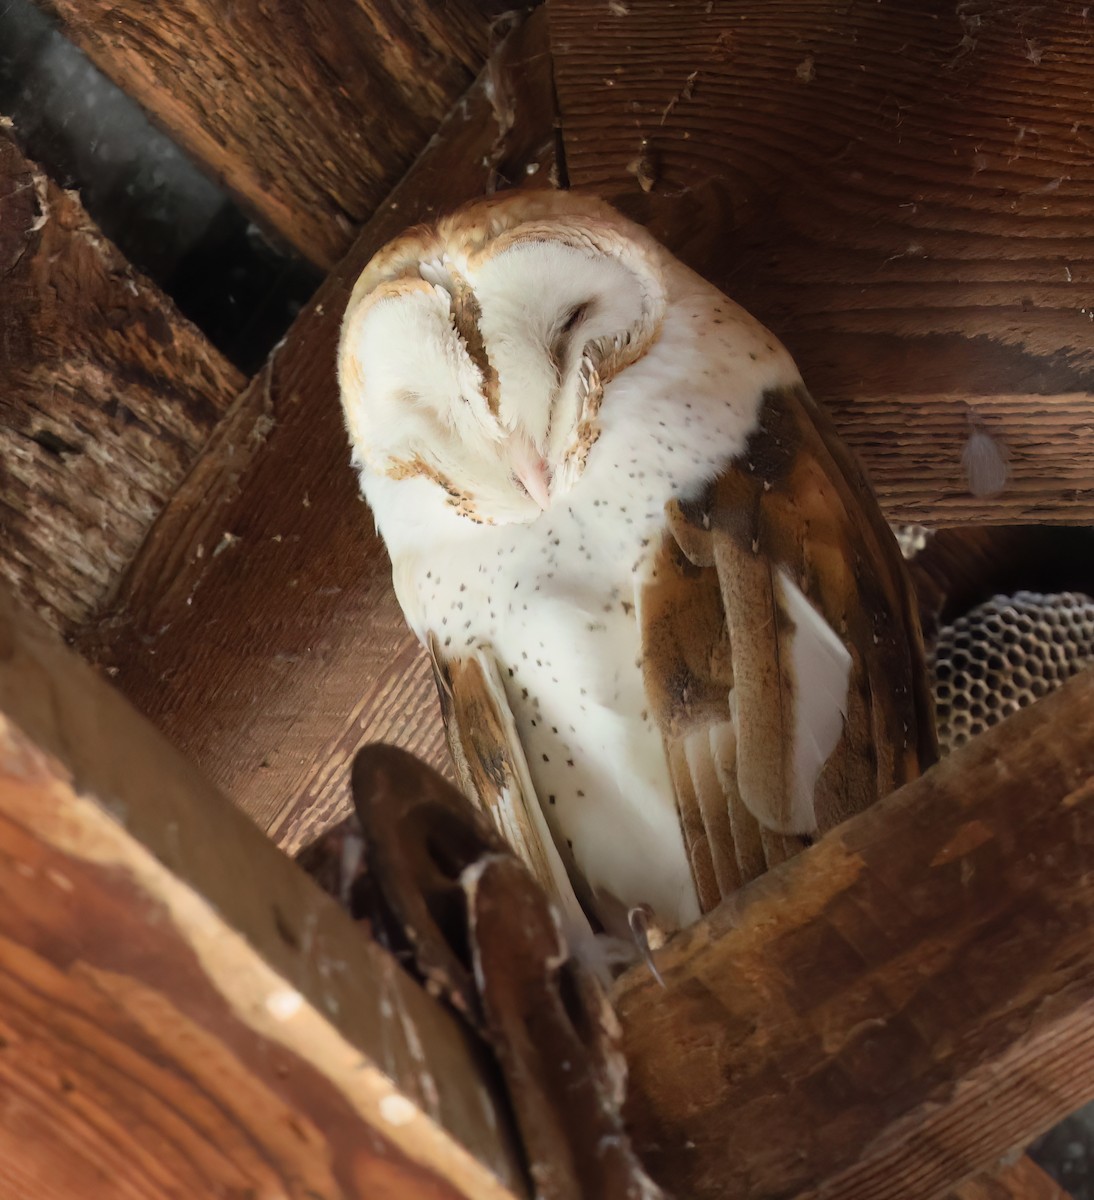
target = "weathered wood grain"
x: 182, y: 1011
x: 894, y: 1009
x: 1023, y: 1180
x: 308, y: 112
x: 902, y: 192
x: 106, y: 397
x: 258, y: 628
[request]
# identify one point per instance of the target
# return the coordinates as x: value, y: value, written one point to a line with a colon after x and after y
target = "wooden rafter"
x: 898, y: 1006
x: 309, y: 112
x: 902, y: 195
x: 107, y: 395
x: 182, y: 1011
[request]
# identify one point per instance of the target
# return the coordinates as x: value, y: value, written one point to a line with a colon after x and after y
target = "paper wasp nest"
x: 1003, y: 655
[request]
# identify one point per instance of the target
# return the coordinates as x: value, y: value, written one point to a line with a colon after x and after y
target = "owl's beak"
x: 530, y: 468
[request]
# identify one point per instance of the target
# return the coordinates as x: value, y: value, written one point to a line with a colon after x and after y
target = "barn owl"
x: 672, y: 634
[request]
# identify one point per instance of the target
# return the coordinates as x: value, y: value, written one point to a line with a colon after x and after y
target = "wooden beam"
x: 897, y: 1007
x: 902, y: 195
x: 107, y: 395
x: 182, y: 1011
x: 309, y: 112
x: 1023, y: 1180
x: 259, y: 628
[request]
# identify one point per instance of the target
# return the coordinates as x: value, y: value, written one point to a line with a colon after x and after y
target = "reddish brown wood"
x: 1023, y: 1180
x: 182, y: 1012
x: 258, y: 628
x: 310, y: 112
x: 106, y: 397
x: 892, y: 1010
x: 903, y: 193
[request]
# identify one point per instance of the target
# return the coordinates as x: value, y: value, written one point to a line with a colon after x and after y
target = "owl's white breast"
x: 554, y: 600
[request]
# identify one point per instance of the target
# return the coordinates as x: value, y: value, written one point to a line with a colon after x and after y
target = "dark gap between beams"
x: 168, y: 218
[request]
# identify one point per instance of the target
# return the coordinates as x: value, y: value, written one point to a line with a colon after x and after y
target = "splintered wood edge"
x: 121, y: 798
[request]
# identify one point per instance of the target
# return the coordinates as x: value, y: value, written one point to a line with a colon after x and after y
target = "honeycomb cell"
x: 1005, y: 654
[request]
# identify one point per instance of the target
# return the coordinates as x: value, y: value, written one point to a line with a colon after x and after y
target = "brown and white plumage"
x: 672, y: 633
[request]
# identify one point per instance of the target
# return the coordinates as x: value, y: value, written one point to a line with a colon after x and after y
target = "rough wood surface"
x: 309, y: 112
x: 182, y: 1011
x: 259, y: 628
x: 897, y: 1007
x: 106, y: 396
x: 1023, y: 1180
x: 902, y: 192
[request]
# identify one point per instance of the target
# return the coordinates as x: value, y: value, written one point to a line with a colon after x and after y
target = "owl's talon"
x: 647, y: 937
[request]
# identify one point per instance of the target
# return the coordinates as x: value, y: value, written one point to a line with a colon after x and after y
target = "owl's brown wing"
x: 781, y: 650
x: 492, y: 771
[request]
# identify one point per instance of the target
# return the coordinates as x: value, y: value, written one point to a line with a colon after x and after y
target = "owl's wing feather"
x: 781, y: 650
x: 492, y: 770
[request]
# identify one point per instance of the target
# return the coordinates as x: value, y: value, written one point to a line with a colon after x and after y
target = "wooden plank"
x: 1023, y: 1180
x: 309, y: 112
x: 182, y: 1011
x: 902, y: 193
x: 897, y: 1007
x: 107, y: 395
x: 259, y: 629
